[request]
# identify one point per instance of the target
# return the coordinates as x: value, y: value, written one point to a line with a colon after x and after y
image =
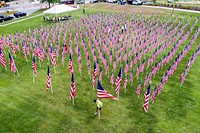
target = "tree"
x: 50, y: 1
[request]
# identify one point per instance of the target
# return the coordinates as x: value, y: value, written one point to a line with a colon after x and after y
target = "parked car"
x: 19, y: 14
x: 5, y: 18
x: 111, y: 1
x: 94, y: 1
x: 79, y: 1
x: 67, y: 1
x: 121, y: 2
x: 135, y: 2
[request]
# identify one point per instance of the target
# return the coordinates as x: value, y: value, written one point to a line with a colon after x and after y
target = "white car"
x: 111, y: 1
x: 137, y: 2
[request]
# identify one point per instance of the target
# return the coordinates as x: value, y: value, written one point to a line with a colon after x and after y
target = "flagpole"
x: 54, y: 69
x: 118, y: 96
x: 17, y: 70
x: 51, y: 87
x: 33, y: 78
x: 73, y: 101
x: 39, y: 63
x: 15, y: 65
x: 26, y: 60
x: 5, y: 68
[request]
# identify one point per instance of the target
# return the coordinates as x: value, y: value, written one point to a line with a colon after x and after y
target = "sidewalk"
x: 175, y: 9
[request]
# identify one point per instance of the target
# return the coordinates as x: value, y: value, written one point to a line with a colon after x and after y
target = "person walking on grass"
x: 99, y: 106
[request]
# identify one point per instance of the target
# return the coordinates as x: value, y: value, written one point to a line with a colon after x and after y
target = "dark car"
x: 19, y: 14
x: 121, y: 2
x: 79, y: 1
x: 5, y: 18
x: 67, y: 1
x: 94, y: 1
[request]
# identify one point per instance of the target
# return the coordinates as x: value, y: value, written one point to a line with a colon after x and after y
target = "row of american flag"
x: 100, y: 38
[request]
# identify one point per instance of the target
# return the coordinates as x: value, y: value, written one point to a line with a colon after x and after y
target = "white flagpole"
x: 51, y: 87
x: 73, y: 101
x: 33, y: 78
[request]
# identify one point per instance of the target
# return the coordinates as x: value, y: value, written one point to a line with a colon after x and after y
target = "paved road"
x: 23, y: 6
x: 175, y: 9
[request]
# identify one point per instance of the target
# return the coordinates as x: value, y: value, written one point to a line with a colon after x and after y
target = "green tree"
x: 50, y: 1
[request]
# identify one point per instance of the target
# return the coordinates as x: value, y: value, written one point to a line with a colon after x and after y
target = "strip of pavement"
x: 175, y: 9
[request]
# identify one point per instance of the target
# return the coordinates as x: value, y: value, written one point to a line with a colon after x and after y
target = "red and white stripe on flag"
x: 146, y: 100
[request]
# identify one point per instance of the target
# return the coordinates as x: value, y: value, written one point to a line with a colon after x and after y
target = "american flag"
x: 24, y: 50
x: 107, y: 68
x: 153, y: 94
x: 17, y: 46
x: 12, y: 64
x: 138, y: 88
x: 118, y: 81
x: 159, y: 88
x: 146, y: 100
x: 141, y: 69
x: 53, y: 57
x: 126, y: 67
x: 182, y: 77
x: 41, y: 56
x: 72, y: 87
x: 34, y: 65
x: 131, y: 76
x: 100, y: 74
x: 88, y: 64
x: 94, y: 75
x: 125, y: 82
x: 48, y: 81
x: 12, y: 48
x: 112, y: 78
x: 70, y: 67
x: 101, y: 93
x: 2, y: 60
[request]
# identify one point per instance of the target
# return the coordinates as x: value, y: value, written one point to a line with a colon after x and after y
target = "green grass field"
x: 27, y: 107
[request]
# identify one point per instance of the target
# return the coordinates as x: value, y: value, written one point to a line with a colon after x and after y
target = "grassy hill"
x: 27, y: 107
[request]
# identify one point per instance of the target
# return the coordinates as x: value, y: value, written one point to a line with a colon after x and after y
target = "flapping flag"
x: 118, y: 81
x: 2, y: 60
x: 48, y: 81
x: 146, y: 99
x: 94, y: 75
x: 70, y: 68
x: 153, y: 94
x: 34, y: 66
x: 72, y: 88
x: 101, y: 93
x: 112, y: 78
x: 138, y: 89
x: 12, y: 64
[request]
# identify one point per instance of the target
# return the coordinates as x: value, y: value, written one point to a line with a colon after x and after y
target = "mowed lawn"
x: 27, y: 107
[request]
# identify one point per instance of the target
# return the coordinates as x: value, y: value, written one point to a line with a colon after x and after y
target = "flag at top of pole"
x: 118, y: 81
x: 2, y: 60
x: 101, y: 93
x: 72, y: 88
x: 12, y: 64
x: 48, y: 81
x: 34, y: 66
x: 146, y: 99
x: 70, y: 68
